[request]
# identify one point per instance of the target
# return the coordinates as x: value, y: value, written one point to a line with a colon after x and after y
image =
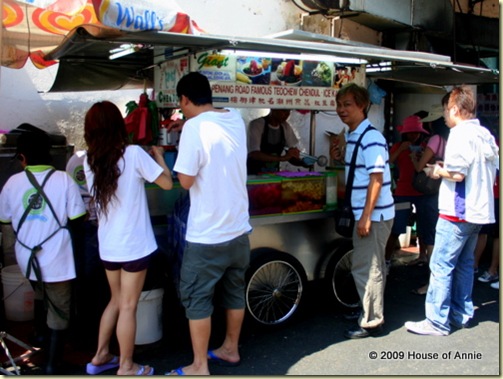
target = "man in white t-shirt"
x: 211, y: 164
x: 465, y: 203
x: 44, y: 245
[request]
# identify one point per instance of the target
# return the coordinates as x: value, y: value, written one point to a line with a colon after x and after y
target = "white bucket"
x: 405, y: 238
x: 149, y: 317
x: 18, y: 294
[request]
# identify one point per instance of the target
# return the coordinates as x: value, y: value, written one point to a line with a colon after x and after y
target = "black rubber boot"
x: 55, y: 352
x: 41, y: 332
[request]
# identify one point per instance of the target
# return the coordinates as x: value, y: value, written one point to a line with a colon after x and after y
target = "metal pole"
x: 312, y: 133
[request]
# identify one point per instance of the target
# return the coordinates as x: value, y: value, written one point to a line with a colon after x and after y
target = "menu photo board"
x: 263, y: 82
x: 240, y: 81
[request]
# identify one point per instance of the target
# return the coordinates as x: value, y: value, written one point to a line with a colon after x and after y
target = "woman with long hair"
x: 116, y: 173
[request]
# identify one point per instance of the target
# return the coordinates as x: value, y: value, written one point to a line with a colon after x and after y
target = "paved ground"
x: 313, y: 343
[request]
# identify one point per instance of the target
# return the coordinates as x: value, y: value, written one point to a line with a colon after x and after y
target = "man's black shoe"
x: 359, y: 332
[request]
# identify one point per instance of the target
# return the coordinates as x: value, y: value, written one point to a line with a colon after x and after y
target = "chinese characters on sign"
x: 262, y: 82
x: 270, y: 96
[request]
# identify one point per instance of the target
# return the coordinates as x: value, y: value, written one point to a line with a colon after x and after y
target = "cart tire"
x: 275, y: 286
x: 340, y: 280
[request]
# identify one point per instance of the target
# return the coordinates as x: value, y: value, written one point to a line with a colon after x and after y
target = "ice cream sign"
x: 216, y: 67
x: 138, y: 15
x: 266, y: 82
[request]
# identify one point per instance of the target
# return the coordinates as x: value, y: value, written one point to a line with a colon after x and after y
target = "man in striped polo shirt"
x: 372, y: 204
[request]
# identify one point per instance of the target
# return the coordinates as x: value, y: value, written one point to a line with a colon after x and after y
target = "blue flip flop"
x: 178, y: 371
x: 221, y: 362
x: 98, y: 369
x: 141, y: 371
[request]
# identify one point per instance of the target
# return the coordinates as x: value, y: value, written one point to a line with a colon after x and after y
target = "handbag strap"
x: 351, y: 172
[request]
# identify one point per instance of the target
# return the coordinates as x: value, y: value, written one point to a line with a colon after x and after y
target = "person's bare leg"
x: 423, y: 254
x: 200, y: 331
x: 429, y: 251
x: 423, y: 289
x: 391, y: 246
x: 495, y: 259
x: 108, y: 320
x: 131, y: 286
x: 229, y: 351
x: 479, y: 249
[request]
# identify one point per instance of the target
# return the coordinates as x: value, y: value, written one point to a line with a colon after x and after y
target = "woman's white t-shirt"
x: 126, y: 233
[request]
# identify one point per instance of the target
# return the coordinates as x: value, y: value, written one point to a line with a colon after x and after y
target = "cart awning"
x: 85, y: 63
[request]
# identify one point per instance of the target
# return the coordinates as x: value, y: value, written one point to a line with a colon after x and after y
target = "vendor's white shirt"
x: 126, y: 233
x: 472, y: 151
x: 75, y: 168
x: 213, y: 149
x: 256, y: 129
x: 56, y: 257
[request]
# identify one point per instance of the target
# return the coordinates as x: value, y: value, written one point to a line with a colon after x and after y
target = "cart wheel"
x: 340, y: 280
x: 275, y: 284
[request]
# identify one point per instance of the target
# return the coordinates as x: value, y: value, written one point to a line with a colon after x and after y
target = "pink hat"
x: 412, y: 124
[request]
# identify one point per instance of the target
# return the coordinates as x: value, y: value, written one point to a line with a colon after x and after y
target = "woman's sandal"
x: 421, y: 291
x: 417, y: 262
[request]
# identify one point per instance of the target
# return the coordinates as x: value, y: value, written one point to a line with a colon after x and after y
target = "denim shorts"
x: 426, y: 216
x: 206, y: 265
x: 131, y: 266
x: 493, y: 230
x: 403, y: 211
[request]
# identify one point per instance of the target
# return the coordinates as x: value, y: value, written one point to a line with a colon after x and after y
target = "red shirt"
x: 406, y: 171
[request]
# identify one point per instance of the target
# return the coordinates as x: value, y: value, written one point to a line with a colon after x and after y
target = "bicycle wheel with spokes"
x: 340, y: 279
x: 275, y: 286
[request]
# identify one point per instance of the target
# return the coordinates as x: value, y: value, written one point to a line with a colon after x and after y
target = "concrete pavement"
x: 313, y: 343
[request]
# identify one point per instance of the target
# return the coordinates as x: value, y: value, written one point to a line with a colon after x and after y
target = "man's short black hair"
x: 35, y: 146
x: 196, y: 87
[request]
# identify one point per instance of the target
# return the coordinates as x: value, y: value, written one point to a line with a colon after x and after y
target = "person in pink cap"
x: 405, y: 195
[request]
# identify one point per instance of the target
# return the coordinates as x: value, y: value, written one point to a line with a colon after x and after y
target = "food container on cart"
x: 302, y: 191
x: 264, y: 195
x: 341, y: 180
x: 331, y: 189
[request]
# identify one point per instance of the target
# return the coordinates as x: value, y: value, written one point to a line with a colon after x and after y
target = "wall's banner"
x: 265, y: 82
x: 32, y: 28
x: 139, y: 15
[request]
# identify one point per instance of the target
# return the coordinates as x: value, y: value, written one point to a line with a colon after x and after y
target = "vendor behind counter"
x: 271, y: 140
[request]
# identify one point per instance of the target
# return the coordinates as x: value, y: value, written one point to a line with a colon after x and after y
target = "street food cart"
x: 293, y: 238
x: 289, y: 247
